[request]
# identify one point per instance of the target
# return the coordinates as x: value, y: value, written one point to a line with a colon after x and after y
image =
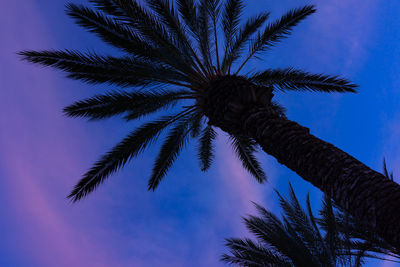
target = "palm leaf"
x: 299, y: 220
x: 93, y: 68
x: 214, y: 9
x: 206, y: 147
x: 274, y: 233
x: 196, y: 124
x: 110, y: 7
x: 108, y: 29
x: 204, y: 38
x: 188, y: 12
x: 136, y: 104
x: 157, y: 34
x: 170, y: 150
x: 297, y: 80
x: 247, y: 253
x: 245, y: 148
x: 325, y: 256
x: 130, y: 147
x: 120, y: 35
x: 278, y: 30
x: 230, y: 19
x: 234, y: 47
x: 170, y: 18
x: 331, y: 230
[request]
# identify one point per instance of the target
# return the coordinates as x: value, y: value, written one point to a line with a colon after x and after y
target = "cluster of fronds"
x: 170, y: 52
x: 335, y: 238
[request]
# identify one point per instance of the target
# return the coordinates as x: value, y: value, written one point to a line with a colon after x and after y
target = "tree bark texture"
x: 237, y: 106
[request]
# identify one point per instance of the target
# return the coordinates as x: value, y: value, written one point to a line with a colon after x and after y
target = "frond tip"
x: 245, y: 148
x: 130, y: 147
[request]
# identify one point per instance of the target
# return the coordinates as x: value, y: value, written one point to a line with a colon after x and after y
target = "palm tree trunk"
x: 238, y: 106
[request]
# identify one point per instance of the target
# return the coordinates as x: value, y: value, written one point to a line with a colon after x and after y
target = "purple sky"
x: 183, y: 223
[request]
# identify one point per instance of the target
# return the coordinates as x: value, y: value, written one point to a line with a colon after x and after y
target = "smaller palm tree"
x: 300, y: 239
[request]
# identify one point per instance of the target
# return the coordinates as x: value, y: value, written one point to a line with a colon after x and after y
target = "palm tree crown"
x: 335, y: 238
x: 171, y: 58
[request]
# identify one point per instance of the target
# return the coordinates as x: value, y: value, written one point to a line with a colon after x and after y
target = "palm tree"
x: 171, y: 54
x: 300, y: 239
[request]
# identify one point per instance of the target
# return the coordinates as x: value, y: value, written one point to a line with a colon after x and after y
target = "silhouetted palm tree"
x: 335, y: 238
x: 170, y: 55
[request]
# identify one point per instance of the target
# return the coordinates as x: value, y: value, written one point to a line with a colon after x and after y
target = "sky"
x: 184, y: 222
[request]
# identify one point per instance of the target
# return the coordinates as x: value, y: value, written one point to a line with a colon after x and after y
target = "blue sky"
x: 184, y: 222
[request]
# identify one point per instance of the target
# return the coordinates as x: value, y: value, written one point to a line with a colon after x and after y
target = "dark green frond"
x: 276, y: 234
x: 299, y: 220
x: 230, y: 19
x: 331, y: 230
x: 214, y: 9
x: 234, y: 47
x: 130, y: 147
x: 93, y: 68
x: 278, y: 30
x: 136, y: 104
x: 117, y: 33
x: 157, y: 34
x: 108, y: 6
x: 170, y: 150
x: 204, y: 39
x: 189, y: 14
x: 108, y: 29
x: 245, y: 149
x: 297, y: 80
x: 196, y: 124
x: 206, y: 147
x: 167, y: 14
x: 247, y: 253
x: 325, y: 254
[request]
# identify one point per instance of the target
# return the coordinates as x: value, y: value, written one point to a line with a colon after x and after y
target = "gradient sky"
x: 183, y: 223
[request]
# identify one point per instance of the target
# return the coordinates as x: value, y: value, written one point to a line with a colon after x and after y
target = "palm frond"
x: 234, y: 47
x: 325, y: 256
x: 245, y: 149
x: 166, y: 12
x: 196, y: 124
x: 120, y: 35
x: 170, y: 150
x: 189, y: 14
x: 230, y: 19
x: 278, y: 30
x: 136, y: 104
x: 214, y: 9
x: 128, y: 148
x: 108, y: 6
x: 247, y: 253
x: 299, y: 220
x: 206, y: 147
x: 108, y: 29
x: 157, y: 33
x: 278, y: 235
x: 93, y: 68
x: 204, y: 38
x: 297, y: 80
x: 332, y: 232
